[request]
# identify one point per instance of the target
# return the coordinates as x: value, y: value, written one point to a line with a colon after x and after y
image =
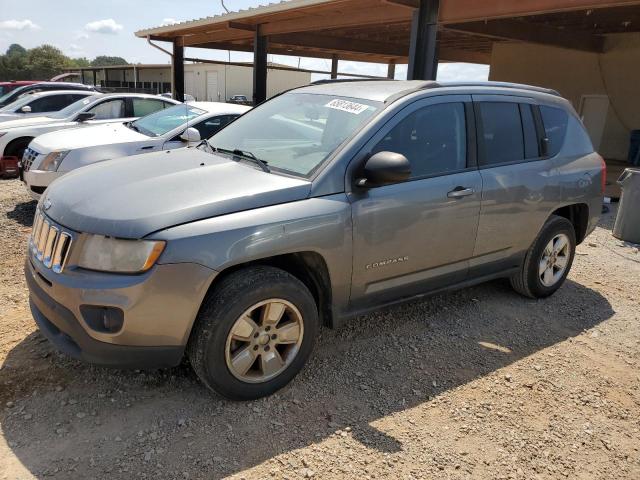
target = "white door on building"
x: 594, y: 110
x: 212, y: 86
x: 189, y: 83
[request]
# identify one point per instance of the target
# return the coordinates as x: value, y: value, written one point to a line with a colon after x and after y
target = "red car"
x: 6, y: 87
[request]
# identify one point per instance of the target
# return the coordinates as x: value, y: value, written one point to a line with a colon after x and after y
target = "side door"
x: 417, y: 236
x: 520, y: 184
x: 108, y: 110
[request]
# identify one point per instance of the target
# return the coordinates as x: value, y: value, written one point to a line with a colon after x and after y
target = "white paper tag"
x: 347, y: 106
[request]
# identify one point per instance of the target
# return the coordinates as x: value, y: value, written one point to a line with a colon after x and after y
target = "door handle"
x: 460, y: 192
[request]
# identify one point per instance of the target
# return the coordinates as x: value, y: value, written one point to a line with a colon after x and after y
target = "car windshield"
x: 296, y: 132
x: 74, y: 107
x: 163, y: 121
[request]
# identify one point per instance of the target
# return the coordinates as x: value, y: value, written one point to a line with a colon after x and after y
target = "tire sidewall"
x: 219, y: 377
x: 554, y: 227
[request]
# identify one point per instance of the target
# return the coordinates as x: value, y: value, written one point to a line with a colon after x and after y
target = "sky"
x: 92, y: 28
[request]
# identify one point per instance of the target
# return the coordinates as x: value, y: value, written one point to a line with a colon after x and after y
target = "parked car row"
x: 54, y: 154
x: 318, y: 205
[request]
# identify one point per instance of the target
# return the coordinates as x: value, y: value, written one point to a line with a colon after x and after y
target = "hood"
x: 27, y: 122
x: 135, y: 196
x: 89, y: 136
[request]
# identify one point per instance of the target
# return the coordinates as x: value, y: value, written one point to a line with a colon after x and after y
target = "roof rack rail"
x: 343, y: 80
x: 515, y: 86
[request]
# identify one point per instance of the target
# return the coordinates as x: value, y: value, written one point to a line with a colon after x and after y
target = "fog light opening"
x: 103, y: 319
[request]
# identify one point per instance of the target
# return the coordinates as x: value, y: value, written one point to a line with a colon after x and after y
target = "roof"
x: 380, y: 30
x: 46, y: 93
x: 383, y: 91
x: 270, y: 8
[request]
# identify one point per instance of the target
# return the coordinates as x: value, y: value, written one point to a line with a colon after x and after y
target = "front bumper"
x: 37, y: 181
x: 159, y: 308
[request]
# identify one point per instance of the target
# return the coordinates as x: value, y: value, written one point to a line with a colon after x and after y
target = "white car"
x: 15, y: 135
x: 54, y: 154
x: 41, y: 103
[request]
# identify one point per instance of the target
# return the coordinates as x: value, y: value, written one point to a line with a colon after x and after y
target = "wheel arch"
x: 14, y: 142
x: 578, y: 215
x: 307, y: 266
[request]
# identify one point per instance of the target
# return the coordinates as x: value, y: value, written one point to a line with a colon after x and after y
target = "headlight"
x: 108, y: 254
x: 52, y: 161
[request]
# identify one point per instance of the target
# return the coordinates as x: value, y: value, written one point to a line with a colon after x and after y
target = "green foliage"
x: 81, y: 62
x: 105, y: 61
x: 44, y: 62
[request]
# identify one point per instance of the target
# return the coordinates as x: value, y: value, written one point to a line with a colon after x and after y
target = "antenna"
x: 224, y: 6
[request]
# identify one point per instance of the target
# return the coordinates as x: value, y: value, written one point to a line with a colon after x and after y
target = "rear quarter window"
x: 555, y: 121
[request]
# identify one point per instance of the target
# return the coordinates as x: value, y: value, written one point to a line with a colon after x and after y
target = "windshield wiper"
x: 132, y: 126
x: 206, y: 144
x: 246, y: 154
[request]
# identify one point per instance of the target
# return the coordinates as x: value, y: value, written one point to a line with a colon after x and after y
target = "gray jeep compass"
x: 322, y: 203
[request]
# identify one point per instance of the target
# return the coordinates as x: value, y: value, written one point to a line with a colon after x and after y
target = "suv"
x: 321, y: 204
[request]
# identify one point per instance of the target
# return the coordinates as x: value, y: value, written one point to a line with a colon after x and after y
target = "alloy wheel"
x: 264, y: 341
x: 554, y: 261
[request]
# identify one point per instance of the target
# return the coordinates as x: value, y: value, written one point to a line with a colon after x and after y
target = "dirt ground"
x: 479, y: 384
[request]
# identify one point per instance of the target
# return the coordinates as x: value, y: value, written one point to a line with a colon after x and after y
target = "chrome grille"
x: 28, y: 157
x: 49, y: 243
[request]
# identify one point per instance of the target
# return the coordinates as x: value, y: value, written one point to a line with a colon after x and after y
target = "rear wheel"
x: 254, y: 333
x: 548, y: 261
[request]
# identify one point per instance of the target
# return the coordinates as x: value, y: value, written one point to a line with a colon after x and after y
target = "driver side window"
x: 433, y: 138
x: 109, y: 109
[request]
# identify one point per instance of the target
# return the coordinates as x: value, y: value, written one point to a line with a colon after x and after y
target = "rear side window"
x: 502, y: 137
x: 555, y: 122
x: 433, y: 138
x: 145, y: 106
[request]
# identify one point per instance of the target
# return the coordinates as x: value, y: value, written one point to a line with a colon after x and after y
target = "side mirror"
x: 26, y: 109
x: 385, y: 168
x: 84, y: 116
x: 190, y: 135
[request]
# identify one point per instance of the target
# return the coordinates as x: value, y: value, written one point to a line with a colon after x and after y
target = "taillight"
x: 603, y: 174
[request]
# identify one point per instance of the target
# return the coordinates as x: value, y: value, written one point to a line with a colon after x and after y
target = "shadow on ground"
x: 166, y: 424
x: 23, y: 213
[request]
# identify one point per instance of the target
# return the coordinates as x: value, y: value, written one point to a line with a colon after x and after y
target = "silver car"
x: 321, y: 204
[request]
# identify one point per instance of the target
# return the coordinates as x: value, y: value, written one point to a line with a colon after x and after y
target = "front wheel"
x: 548, y: 261
x: 254, y: 333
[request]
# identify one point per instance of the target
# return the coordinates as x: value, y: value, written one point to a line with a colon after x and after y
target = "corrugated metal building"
x: 216, y: 81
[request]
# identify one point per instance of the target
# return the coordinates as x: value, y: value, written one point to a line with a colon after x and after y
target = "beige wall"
x: 615, y: 73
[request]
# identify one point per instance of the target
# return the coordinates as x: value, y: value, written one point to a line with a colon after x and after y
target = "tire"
x: 17, y: 147
x: 530, y: 281
x: 222, y: 335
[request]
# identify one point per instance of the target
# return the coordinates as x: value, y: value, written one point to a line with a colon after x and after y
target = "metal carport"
x: 417, y: 32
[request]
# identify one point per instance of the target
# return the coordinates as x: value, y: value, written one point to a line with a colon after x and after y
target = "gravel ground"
x: 481, y: 383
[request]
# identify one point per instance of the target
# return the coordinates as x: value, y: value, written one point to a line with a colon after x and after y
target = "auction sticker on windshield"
x: 347, y: 106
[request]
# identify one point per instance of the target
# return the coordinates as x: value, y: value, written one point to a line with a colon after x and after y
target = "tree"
x: 45, y: 62
x: 16, y: 49
x: 12, y: 64
x: 106, y: 61
x: 81, y: 62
